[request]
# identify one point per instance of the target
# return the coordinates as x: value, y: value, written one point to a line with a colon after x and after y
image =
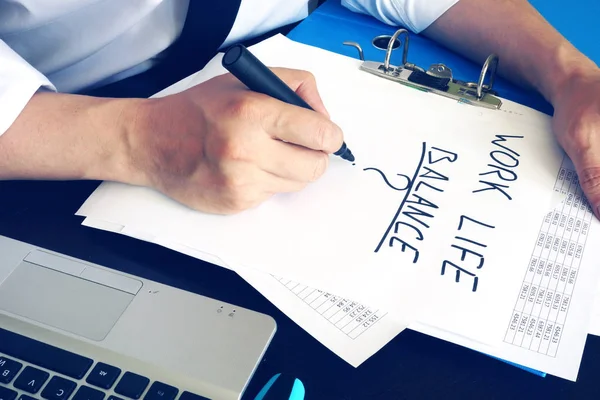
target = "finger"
x: 270, y: 184
x: 291, y: 162
x: 275, y: 184
x: 588, y: 171
x: 582, y: 144
x: 265, y: 185
x: 239, y: 186
x: 304, y: 84
x: 300, y: 126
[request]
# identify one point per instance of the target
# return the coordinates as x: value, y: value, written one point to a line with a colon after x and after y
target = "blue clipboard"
x: 330, y: 25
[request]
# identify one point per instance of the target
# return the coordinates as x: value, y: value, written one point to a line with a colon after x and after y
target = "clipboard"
x: 437, y: 78
x: 331, y: 25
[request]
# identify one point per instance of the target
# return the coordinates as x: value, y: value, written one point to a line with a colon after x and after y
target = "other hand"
x: 577, y: 126
x: 220, y: 148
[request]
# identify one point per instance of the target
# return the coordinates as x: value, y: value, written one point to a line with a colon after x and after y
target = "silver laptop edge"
x: 195, y: 343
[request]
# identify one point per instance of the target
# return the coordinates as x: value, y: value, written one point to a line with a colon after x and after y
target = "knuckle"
x: 589, y: 179
x: 309, y: 78
x: 298, y: 77
x: 322, y: 135
x: 234, y: 185
x: 579, y: 135
x: 238, y: 204
x: 327, y: 137
x: 229, y: 149
x: 300, y: 186
x: 243, y: 107
x: 320, y: 166
x: 238, y: 193
x: 235, y: 203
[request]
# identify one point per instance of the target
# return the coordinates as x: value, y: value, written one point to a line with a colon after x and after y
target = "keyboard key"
x: 31, y: 380
x: 192, y: 396
x: 160, y: 391
x: 88, y: 393
x: 25, y: 397
x: 58, y: 389
x: 132, y: 385
x: 114, y: 398
x: 43, y: 355
x: 7, y: 394
x: 103, y: 375
x: 8, y: 369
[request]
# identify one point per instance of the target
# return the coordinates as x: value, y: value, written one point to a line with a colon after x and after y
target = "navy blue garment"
x: 207, y: 25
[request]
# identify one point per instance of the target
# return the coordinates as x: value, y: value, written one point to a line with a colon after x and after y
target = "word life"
x: 467, y: 247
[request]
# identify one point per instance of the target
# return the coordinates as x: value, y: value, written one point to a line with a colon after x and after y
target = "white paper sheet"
x: 594, y: 328
x: 355, y: 331
x: 351, y: 330
x: 551, y: 313
x: 352, y: 234
x: 556, y: 347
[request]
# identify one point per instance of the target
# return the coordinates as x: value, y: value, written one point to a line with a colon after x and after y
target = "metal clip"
x: 438, y: 78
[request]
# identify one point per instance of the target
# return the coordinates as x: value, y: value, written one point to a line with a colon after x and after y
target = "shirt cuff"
x: 414, y: 15
x: 19, y: 81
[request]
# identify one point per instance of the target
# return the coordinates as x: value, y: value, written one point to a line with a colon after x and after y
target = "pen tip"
x: 345, y: 153
x: 348, y: 155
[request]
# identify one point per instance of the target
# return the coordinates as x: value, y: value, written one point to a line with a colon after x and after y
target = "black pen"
x: 258, y: 77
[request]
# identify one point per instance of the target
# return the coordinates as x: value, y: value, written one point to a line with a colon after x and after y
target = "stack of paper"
x: 460, y: 222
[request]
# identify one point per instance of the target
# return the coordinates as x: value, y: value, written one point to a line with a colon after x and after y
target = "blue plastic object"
x: 282, y: 387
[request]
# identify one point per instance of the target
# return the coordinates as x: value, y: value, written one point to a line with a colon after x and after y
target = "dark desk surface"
x: 410, y: 366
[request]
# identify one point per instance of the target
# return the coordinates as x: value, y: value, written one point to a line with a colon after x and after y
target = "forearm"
x: 531, y: 52
x: 62, y: 136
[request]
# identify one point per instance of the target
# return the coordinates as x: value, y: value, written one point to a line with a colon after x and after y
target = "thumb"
x: 588, y: 172
x: 304, y: 84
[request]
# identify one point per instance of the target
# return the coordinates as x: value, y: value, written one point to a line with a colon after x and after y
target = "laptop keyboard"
x: 32, y: 370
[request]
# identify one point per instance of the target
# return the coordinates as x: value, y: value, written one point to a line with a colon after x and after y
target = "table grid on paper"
x: 349, y: 317
x: 542, y: 305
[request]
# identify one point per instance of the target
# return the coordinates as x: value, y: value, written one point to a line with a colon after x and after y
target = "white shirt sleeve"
x: 414, y: 15
x: 19, y: 81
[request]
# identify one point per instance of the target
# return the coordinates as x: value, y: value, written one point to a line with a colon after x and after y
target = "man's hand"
x: 221, y: 148
x: 534, y: 54
x: 576, y: 124
x: 216, y: 147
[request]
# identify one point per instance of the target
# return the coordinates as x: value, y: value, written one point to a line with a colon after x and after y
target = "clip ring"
x: 357, y: 47
x: 390, y: 48
x: 493, y: 61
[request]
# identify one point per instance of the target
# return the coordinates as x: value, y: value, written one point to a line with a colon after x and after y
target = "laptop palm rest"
x: 44, y: 293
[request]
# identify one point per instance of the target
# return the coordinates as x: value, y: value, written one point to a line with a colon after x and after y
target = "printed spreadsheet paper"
x: 426, y: 214
x: 552, y: 312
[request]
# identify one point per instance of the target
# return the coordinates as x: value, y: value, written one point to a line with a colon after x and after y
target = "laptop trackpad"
x: 62, y: 301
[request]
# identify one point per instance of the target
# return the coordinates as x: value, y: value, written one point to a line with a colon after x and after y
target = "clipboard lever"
x: 438, y: 78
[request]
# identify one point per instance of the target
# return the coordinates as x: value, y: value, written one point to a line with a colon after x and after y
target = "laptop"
x: 71, y: 330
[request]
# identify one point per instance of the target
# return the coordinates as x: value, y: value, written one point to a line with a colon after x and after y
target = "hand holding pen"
x: 220, y: 148
x: 258, y: 77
